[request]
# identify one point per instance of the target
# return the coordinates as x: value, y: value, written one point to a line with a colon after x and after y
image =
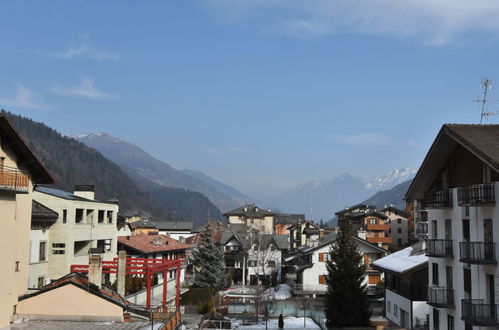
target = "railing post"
x: 148, y: 293
x: 165, y: 288
x: 177, y: 298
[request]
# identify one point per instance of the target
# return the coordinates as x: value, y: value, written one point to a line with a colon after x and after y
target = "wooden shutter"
x: 322, y: 279
x: 321, y: 257
x: 374, y: 279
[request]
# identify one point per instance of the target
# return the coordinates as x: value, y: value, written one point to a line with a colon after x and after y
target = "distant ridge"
x: 393, y: 196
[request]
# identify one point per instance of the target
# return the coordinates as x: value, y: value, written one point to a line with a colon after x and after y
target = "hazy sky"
x: 261, y: 94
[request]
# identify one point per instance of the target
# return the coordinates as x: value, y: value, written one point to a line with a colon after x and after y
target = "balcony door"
x: 488, y: 238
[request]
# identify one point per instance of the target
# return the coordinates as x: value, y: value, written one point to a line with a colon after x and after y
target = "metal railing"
x: 477, y: 252
x: 438, y: 198
x: 476, y: 312
x: 439, y: 248
x: 440, y: 296
x: 476, y: 194
x: 421, y: 228
x: 13, y: 180
x: 301, y: 288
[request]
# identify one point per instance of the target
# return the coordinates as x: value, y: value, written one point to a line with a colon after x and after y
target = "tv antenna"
x: 486, y: 86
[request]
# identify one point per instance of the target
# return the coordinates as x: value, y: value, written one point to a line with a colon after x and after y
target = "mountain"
x: 135, y: 159
x: 320, y: 199
x: 393, y: 196
x: 71, y: 162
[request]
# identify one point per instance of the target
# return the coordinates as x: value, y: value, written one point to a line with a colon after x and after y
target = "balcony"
x: 386, y: 240
x: 439, y: 248
x: 377, y: 227
x: 477, y: 194
x: 440, y: 297
x: 438, y: 198
x: 422, y: 228
x: 13, y: 180
x: 476, y: 312
x: 477, y: 252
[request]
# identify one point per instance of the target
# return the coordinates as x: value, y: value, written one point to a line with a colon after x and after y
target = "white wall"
x: 38, y: 268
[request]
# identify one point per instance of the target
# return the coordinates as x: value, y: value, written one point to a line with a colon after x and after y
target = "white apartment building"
x: 83, y: 223
x: 457, y: 184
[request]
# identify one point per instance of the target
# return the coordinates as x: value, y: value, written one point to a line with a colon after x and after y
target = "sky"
x: 260, y: 94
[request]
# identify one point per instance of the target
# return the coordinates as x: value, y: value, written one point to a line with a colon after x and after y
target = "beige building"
x: 399, y: 226
x: 83, y: 223
x: 19, y: 171
x: 253, y: 217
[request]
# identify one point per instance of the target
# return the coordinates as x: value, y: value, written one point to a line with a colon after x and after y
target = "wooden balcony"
x: 438, y: 198
x: 12, y: 179
x: 477, y: 194
x: 378, y: 227
x: 387, y: 240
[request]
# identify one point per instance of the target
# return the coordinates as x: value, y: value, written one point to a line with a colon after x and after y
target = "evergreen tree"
x: 208, y: 261
x: 347, y: 304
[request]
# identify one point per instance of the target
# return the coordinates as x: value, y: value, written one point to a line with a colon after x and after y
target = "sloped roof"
x: 396, y: 211
x: 175, y: 225
x: 41, y: 213
x: 288, y: 219
x: 250, y: 210
x: 145, y: 243
x: 354, y: 207
x: 68, y: 195
x: 356, y: 215
x: 406, y: 260
x: 481, y: 140
x: 25, y: 157
x: 144, y: 223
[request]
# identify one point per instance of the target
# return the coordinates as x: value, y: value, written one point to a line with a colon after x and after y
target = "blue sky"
x: 260, y: 94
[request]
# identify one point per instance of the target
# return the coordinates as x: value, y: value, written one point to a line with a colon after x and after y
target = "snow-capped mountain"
x: 391, y: 179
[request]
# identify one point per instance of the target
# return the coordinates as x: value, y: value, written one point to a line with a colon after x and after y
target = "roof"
x: 239, y: 227
x: 396, y: 211
x: 355, y: 215
x: 354, y: 207
x: 250, y: 210
x: 152, y: 243
x: 480, y: 140
x: 41, y: 213
x: 406, y: 260
x: 328, y: 239
x: 145, y: 223
x: 25, y: 157
x: 288, y: 219
x: 82, y: 282
x: 175, y: 225
x: 81, y: 325
x: 68, y: 195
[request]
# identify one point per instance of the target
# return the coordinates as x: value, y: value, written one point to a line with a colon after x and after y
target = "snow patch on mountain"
x: 390, y: 179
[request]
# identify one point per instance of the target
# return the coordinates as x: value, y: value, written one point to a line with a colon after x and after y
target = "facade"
x: 42, y: 218
x: 372, y: 226
x: 179, y: 230
x: 310, y: 264
x: 253, y: 217
x: 83, y: 223
x: 304, y: 233
x: 457, y: 185
x: 406, y: 281
x: 399, y: 226
x: 20, y: 170
x: 284, y: 221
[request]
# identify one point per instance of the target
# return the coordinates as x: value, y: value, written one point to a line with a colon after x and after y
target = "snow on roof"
x: 403, y: 260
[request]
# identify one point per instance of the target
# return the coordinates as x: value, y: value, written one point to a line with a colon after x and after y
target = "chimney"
x: 85, y: 191
x: 181, y: 239
x: 121, y: 272
x: 157, y: 241
x: 95, y: 270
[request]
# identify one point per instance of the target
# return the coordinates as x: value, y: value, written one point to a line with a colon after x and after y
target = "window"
x: 90, y: 216
x: 272, y: 247
x: 399, y: 220
x: 466, y: 230
x: 434, y: 268
x: 450, y: 322
x: 271, y: 263
x: 322, y: 279
x: 41, y: 282
x: 251, y: 263
x: 467, y: 211
x: 436, y: 319
x: 100, y: 216
x: 17, y: 266
x: 399, y: 230
x: 104, y: 244
x: 467, y: 280
x: 58, y: 248
x: 395, y: 310
x: 64, y: 216
x: 109, y: 216
x: 81, y: 248
x: 79, y: 216
x: 42, y: 254
x: 389, y: 306
x: 399, y: 242
x: 373, y: 221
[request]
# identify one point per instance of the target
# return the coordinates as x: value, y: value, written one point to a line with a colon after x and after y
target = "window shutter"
x: 321, y: 257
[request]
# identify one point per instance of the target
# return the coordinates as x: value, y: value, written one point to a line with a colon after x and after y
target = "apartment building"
x: 304, y: 233
x: 84, y: 223
x: 252, y: 216
x: 20, y: 170
x: 457, y: 186
x: 398, y: 222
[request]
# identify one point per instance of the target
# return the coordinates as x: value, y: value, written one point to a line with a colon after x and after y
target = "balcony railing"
x: 378, y: 226
x: 387, y: 240
x: 440, y: 296
x: 477, y: 194
x: 477, y: 252
x: 13, y: 180
x: 476, y: 312
x: 439, y: 248
x: 438, y: 198
x: 422, y: 228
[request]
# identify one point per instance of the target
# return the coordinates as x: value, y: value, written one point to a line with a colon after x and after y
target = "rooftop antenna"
x: 486, y: 86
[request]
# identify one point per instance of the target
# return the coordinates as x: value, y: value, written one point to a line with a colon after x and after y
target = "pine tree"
x: 347, y: 304
x: 208, y: 261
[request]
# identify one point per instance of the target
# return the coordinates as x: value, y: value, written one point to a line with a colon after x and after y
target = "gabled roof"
x: 152, y: 243
x: 349, y: 209
x: 396, y: 211
x: 357, y: 215
x: 175, y: 225
x: 480, y: 140
x: 81, y: 281
x: 25, y: 157
x: 250, y: 210
x: 288, y: 219
x: 407, y: 260
x: 41, y: 213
